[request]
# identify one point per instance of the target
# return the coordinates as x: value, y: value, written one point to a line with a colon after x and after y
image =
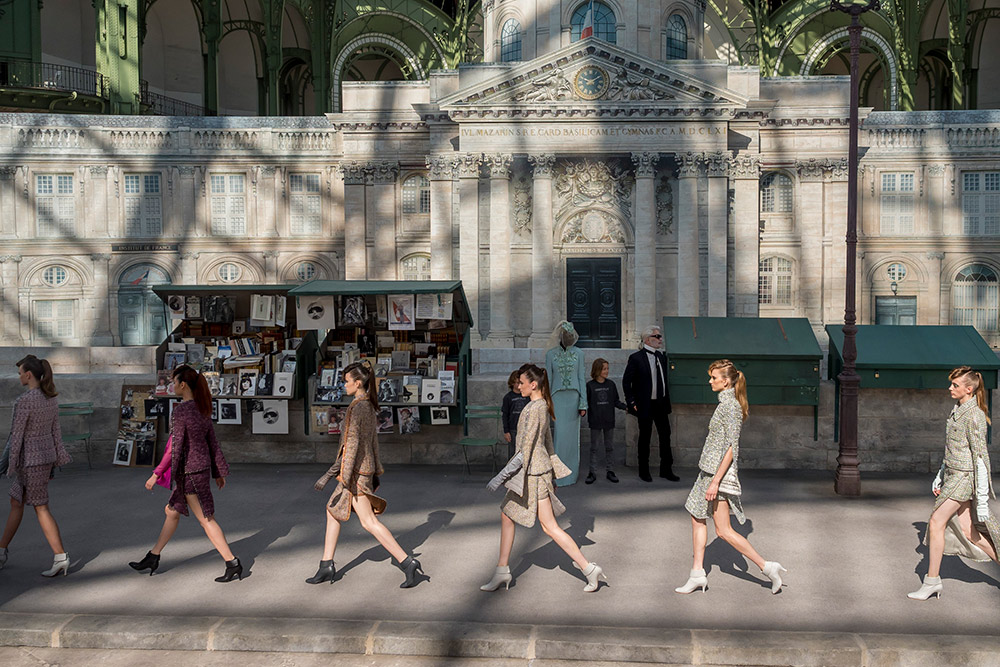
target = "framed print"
x: 145, y: 451
x: 328, y: 377
x: 219, y: 309
x: 228, y: 384
x: 283, y: 384
x: 314, y: 313
x: 123, y: 452
x: 319, y: 418
x: 434, y: 306
x: 409, y: 420
x: 265, y: 384
x: 248, y: 383
x: 272, y: 419
x: 229, y: 411
x: 261, y: 310
x: 430, y: 391
x: 335, y: 420
x: 384, y: 420
x: 280, y: 309
x: 176, y: 306
x: 401, y: 317
x: 381, y: 308
x: 192, y: 308
x: 354, y: 313
x: 399, y: 360
x: 440, y: 415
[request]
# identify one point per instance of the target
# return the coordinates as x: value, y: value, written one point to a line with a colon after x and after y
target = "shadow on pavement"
x: 951, y: 567
x: 409, y: 540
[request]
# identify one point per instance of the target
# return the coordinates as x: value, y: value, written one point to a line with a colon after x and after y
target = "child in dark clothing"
x: 513, y: 403
x: 602, y: 397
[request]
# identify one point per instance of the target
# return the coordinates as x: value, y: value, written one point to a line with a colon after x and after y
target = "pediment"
x: 592, y: 78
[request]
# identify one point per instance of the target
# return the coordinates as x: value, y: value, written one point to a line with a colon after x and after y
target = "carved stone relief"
x: 522, y: 208
x: 588, y: 184
x: 551, y: 87
x: 664, y: 206
x: 630, y: 87
x: 593, y: 227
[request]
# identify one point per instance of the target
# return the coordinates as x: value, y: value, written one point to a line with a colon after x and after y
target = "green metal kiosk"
x: 911, y: 357
x: 779, y: 356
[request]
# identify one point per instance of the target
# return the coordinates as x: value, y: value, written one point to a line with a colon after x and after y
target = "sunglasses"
x: 656, y: 336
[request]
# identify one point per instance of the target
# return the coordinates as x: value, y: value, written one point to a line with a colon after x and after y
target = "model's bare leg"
x: 935, y: 535
x: 363, y: 506
x: 332, y: 535
x: 170, y: 522
x: 13, y: 522
x: 507, y: 527
x: 50, y: 528
x: 970, y: 530
x: 551, y: 528
x: 212, y: 528
x: 723, y: 529
x: 699, y: 537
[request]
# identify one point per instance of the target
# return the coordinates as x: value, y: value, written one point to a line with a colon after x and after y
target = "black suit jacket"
x: 637, y: 383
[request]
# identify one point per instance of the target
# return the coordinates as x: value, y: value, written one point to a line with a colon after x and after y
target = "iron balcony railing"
x: 49, y: 76
x: 161, y: 105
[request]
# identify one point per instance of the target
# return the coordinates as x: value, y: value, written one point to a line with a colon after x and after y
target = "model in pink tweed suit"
x: 195, y: 459
x: 36, y: 447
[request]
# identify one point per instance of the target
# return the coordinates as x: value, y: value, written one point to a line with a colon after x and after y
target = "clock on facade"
x: 591, y: 82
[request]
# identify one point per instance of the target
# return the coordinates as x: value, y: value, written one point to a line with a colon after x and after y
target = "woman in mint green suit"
x: 568, y: 383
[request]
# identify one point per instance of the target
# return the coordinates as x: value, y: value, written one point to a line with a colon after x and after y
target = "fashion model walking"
x: 195, y: 459
x: 537, y: 497
x: 717, y: 489
x: 357, y: 469
x: 961, y: 523
x: 35, y: 446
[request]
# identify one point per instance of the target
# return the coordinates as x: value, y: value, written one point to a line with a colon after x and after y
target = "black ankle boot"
x: 149, y: 562
x: 233, y: 571
x: 326, y: 572
x: 410, y: 567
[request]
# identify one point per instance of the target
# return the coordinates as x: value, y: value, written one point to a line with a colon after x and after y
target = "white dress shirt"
x: 652, y: 369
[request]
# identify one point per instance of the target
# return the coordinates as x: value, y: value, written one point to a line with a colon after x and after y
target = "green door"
x: 896, y: 310
x: 593, y: 300
x: 142, y: 316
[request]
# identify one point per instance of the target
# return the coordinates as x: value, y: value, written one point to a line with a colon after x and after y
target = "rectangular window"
x: 228, y: 207
x: 304, y: 204
x: 981, y: 203
x: 55, y: 205
x: 896, y: 200
x: 54, y: 319
x: 143, y: 206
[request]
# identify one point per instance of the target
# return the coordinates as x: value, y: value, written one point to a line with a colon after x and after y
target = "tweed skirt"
x: 31, y: 487
x: 957, y: 485
x: 197, y: 484
x: 523, y: 510
x: 339, y: 506
x: 699, y: 508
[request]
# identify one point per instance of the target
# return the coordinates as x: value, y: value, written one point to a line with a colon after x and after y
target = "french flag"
x: 141, y: 278
x: 588, y: 22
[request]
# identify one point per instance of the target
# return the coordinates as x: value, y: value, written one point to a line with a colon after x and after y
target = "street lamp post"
x: 848, y: 479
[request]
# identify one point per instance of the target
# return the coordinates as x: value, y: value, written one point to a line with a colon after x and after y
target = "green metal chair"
x: 480, y: 412
x: 84, y: 410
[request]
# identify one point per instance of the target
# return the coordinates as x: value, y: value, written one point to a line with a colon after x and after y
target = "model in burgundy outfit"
x: 195, y: 460
x: 35, y: 447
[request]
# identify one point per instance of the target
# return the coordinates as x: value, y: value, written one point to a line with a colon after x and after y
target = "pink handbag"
x: 162, y: 471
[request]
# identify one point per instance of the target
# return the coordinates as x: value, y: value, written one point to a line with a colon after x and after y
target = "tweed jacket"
x: 35, y: 437
x: 358, y: 444
x: 565, y: 370
x: 534, y: 437
x: 194, y: 447
x: 723, y: 433
x: 965, y: 437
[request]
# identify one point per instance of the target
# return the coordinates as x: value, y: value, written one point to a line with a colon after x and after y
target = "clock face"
x: 591, y: 82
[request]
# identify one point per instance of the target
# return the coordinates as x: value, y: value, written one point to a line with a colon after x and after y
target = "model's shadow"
x: 551, y: 557
x: 951, y: 568
x: 409, y: 540
x: 727, y: 559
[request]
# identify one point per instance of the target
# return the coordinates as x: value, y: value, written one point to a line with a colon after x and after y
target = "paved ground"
x: 850, y: 562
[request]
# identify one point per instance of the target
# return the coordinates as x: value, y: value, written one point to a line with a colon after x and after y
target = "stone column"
x: 271, y: 267
x: 468, y: 241
x: 442, y: 168
x: 811, y: 230
x: 183, y: 216
x: 490, y: 53
x: 264, y: 194
x: 718, y: 233
x: 688, y: 278
x: 189, y: 268
x: 935, y: 199
x: 501, y: 333
x: 11, y: 328
x: 97, y: 214
x: 384, y: 223
x: 8, y: 193
x: 542, y: 321
x: 936, y: 307
x: 744, y: 174
x: 355, y: 252
x: 101, y: 301
x: 644, y: 294
x: 24, y: 216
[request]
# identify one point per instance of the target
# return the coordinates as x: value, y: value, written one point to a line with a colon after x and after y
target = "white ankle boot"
x: 60, y: 564
x: 3, y: 557
x: 593, y: 572
x: 772, y: 570
x: 931, y: 586
x: 696, y: 580
x: 501, y: 577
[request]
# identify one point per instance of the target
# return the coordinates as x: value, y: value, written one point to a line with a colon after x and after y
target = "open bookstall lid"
x: 461, y: 314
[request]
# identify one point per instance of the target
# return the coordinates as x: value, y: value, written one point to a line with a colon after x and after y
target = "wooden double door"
x: 593, y: 300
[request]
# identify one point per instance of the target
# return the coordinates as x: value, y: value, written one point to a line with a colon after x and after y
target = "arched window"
x: 229, y: 272
x: 510, y: 41
x: 604, y: 22
x: 677, y: 38
x: 974, y: 297
x: 416, y: 267
x: 417, y: 194
x: 55, y: 276
x: 305, y: 271
x: 775, y: 193
x: 774, y: 282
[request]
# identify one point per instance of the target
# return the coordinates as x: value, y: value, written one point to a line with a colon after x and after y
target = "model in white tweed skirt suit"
x: 717, y: 489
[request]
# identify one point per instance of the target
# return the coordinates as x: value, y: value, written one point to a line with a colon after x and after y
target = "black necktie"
x: 659, y: 375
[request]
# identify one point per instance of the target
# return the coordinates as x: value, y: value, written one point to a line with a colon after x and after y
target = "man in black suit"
x: 648, y: 398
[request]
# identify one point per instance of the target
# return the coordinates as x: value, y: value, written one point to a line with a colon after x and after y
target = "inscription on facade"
x: 145, y: 247
x: 596, y: 136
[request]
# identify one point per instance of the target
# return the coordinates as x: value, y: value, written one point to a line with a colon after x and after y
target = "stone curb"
x: 539, y: 643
